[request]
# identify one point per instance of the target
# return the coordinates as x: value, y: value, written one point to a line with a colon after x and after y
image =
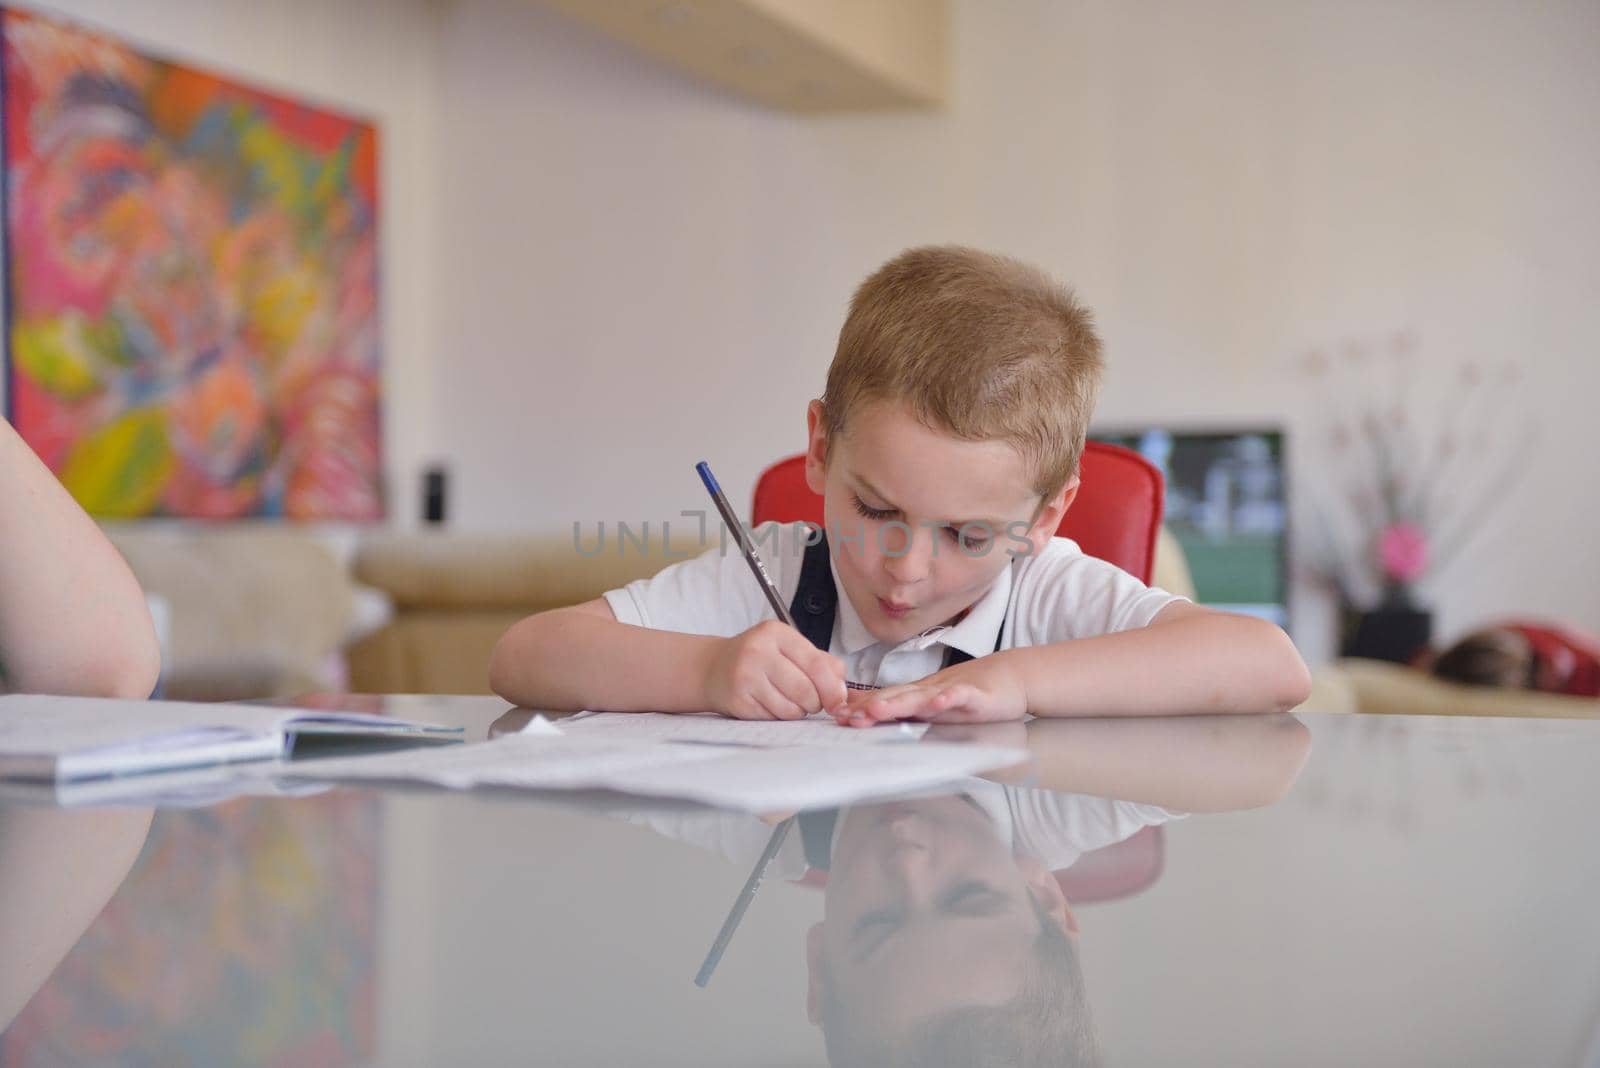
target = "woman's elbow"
x: 131, y: 672
x: 126, y: 674
x: 122, y: 661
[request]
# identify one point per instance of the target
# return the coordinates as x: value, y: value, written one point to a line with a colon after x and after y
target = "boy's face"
x: 907, y: 490
x: 926, y: 910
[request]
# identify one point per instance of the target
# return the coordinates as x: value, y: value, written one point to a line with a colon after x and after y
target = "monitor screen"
x: 1227, y: 506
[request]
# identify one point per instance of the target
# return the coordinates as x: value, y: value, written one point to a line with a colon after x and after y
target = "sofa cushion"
x: 254, y: 612
x: 530, y: 572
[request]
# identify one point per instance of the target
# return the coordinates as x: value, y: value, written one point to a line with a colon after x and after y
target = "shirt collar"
x: 976, y: 634
x: 979, y: 630
x: 853, y: 634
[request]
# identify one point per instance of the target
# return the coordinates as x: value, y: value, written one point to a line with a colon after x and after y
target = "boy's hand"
x: 772, y: 672
x: 979, y: 691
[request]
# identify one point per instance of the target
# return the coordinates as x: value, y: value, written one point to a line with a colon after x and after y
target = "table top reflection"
x: 1214, y: 890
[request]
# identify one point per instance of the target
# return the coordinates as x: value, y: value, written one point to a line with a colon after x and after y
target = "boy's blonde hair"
x: 978, y: 346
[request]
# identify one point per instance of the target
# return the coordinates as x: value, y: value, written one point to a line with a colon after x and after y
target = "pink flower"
x: 1403, y: 552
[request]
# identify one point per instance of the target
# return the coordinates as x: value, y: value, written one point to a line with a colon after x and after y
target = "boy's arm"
x: 585, y: 658
x: 1188, y: 660
x: 73, y: 619
x: 568, y: 659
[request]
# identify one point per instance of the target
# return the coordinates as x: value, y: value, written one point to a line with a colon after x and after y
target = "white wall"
x: 638, y: 272
x: 597, y: 271
x: 372, y: 58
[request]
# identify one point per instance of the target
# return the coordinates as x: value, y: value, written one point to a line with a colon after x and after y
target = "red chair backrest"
x: 1115, y: 517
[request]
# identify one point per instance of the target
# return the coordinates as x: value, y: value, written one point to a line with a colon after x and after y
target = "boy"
x: 945, y: 448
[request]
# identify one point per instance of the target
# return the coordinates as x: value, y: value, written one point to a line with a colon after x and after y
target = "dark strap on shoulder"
x: 816, y: 602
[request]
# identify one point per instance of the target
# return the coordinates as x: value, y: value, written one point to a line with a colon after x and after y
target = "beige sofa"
x: 454, y: 595
x: 249, y: 611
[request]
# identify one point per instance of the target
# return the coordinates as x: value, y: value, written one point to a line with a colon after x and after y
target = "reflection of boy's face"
x: 927, y: 910
x: 895, y: 495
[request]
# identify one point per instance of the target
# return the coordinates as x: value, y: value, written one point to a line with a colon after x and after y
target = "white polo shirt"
x: 1054, y: 595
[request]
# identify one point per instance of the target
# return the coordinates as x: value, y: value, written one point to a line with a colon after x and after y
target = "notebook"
x: 69, y: 739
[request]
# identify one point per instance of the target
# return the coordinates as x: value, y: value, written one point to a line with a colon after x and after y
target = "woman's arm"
x: 72, y: 617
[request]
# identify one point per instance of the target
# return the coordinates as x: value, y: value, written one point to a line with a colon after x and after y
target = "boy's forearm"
x: 567, y: 660
x: 1210, y: 662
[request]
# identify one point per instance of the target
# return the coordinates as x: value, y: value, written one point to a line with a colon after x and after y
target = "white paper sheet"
x: 816, y: 730
x: 781, y: 779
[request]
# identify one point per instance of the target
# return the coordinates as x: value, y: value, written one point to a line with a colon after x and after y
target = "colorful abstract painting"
x: 192, y: 285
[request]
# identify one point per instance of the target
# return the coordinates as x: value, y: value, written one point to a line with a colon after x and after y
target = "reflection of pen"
x: 779, y: 833
x: 748, y: 549
x: 735, y: 914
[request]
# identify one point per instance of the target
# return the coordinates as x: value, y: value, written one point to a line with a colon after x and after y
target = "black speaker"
x: 435, y: 483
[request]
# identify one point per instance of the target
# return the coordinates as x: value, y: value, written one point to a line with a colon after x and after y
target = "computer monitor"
x: 1227, y: 504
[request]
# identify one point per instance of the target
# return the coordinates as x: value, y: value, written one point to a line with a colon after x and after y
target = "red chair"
x: 1115, y: 517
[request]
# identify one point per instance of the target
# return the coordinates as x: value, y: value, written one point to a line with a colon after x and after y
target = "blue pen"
x: 746, y: 546
x: 775, y: 841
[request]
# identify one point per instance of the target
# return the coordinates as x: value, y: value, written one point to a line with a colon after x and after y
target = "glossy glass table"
x: 1332, y: 890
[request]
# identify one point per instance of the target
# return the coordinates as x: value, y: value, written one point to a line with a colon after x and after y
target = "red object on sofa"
x: 1115, y: 517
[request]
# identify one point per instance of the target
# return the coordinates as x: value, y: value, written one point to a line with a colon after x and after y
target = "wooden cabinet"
x: 795, y: 55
